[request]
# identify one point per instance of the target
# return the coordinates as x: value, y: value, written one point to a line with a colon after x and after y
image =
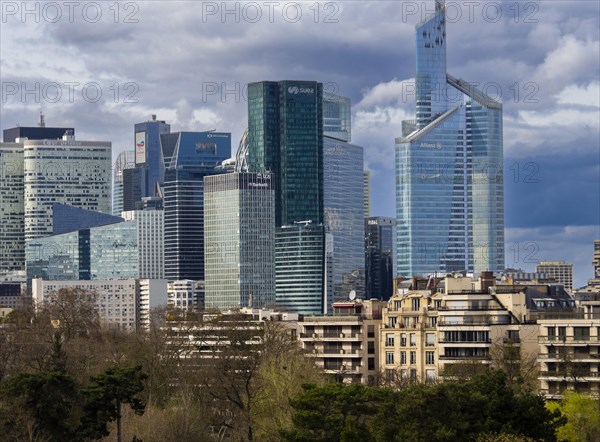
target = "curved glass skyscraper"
x: 449, y: 169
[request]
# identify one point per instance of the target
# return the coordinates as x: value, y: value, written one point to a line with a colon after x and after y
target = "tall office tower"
x: 239, y: 240
x: 125, y: 160
x: 39, y: 132
x: 560, y: 270
x: 367, y: 193
x: 12, y: 208
x: 191, y: 156
x: 303, y: 264
x: 150, y: 241
x: 380, y: 237
x: 449, y: 181
x: 343, y: 205
x: 67, y: 171
x: 148, y: 154
x: 285, y: 136
x: 336, y: 117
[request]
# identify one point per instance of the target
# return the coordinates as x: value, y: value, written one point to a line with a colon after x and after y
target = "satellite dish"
x: 352, y: 295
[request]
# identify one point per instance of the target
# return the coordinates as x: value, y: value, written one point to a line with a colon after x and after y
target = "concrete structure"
x: 150, y: 240
x: 124, y: 304
x: 11, y: 294
x: 346, y: 344
x: 12, y: 208
x: 560, y: 270
x: 186, y: 295
x: 239, y: 240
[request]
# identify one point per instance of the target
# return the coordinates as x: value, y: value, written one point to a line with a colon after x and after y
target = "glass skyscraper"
x: 343, y: 193
x: 380, y: 236
x: 303, y: 268
x: 449, y: 169
x: 189, y: 157
x: 336, y: 117
x: 239, y: 233
x: 125, y: 160
x: 148, y: 154
x: 12, y: 208
x: 285, y: 136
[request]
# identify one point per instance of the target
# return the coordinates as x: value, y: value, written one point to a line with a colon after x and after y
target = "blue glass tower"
x: 449, y: 178
x: 189, y: 157
x: 148, y: 153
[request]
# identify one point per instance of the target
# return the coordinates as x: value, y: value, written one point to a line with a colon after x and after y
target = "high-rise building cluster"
x: 286, y: 222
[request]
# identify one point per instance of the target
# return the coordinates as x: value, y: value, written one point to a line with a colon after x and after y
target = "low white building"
x: 121, y: 303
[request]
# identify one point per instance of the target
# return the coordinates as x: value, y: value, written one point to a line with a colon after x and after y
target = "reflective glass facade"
x: 336, y: 117
x: 285, y: 136
x: 148, y: 153
x: 106, y: 252
x: 239, y: 232
x: 380, y: 237
x: 343, y: 193
x: 449, y: 169
x: 303, y: 261
x: 191, y: 157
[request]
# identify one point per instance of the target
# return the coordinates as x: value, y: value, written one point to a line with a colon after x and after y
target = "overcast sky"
x: 188, y: 62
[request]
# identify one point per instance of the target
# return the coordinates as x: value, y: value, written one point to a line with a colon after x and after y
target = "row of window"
x: 429, y: 357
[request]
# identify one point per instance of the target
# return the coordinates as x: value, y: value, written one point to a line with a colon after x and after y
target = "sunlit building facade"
x: 449, y: 169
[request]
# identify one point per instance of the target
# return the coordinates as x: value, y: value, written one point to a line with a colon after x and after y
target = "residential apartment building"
x: 345, y: 345
x: 561, y: 271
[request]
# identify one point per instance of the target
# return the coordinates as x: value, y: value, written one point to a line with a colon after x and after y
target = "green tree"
x: 582, y: 417
x: 40, y: 405
x: 106, y: 394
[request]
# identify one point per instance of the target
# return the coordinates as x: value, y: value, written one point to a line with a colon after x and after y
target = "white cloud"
x: 583, y: 95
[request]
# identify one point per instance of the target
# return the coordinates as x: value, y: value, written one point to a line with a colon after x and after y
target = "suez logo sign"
x: 295, y: 90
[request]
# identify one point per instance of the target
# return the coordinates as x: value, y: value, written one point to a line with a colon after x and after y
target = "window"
x: 432, y: 321
x: 430, y: 339
x: 430, y: 357
x: 581, y: 333
x: 413, y: 357
x: 415, y: 304
x: 370, y: 331
x: 371, y: 347
x: 389, y: 374
x: 562, y: 333
x: 413, y: 339
x: 413, y: 374
x: 389, y: 340
x: 403, y: 374
x: 392, y: 321
x: 402, y: 358
x: 371, y: 364
x: 429, y: 376
x: 389, y: 357
x: 551, y: 333
x: 403, y: 339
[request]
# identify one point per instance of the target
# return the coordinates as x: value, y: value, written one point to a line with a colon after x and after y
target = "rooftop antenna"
x: 42, y: 123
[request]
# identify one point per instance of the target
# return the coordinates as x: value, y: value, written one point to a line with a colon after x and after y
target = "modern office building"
x: 190, y: 157
x: 121, y: 303
x: 596, y: 259
x: 367, y: 193
x: 561, y: 271
x: 125, y: 160
x: 67, y: 218
x: 150, y: 231
x: 11, y: 294
x: 148, y: 154
x: 67, y: 171
x: 39, y: 132
x: 12, y: 208
x: 285, y: 136
x: 449, y: 162
x: 303, y: 268
x: 239, y: 240
x: 343, y: 211
x: 336, y: 117
x: 186, y: 295
x: 380, y: 236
